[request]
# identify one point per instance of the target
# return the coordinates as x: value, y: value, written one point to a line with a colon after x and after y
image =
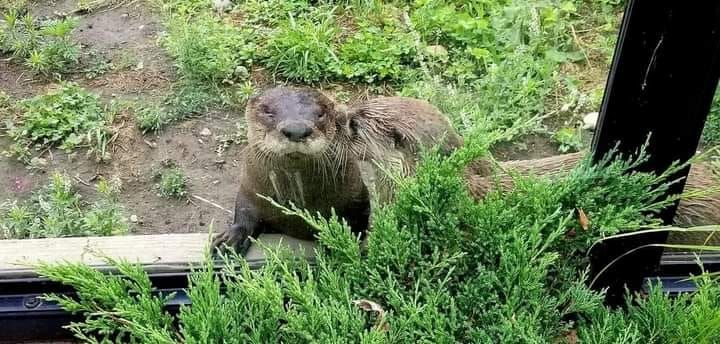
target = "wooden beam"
x: 158, y: 253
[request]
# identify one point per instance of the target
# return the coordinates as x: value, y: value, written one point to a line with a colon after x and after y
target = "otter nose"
x: 296, y: 131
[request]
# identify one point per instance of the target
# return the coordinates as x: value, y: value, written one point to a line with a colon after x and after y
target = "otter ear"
x: 347, y: 120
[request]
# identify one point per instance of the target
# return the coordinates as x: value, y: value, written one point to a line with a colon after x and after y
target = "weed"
x: 207, y: 49
x: 153, y: 118
x: 270, y: 13
x: 244, y: 92
x: 510, y: 96
x: 125, y: 60
x: 303, y: 49
x: 189, y: 99
x: 376, y: 54
x: 97, y: 66
x: 568, y: 139
x: 13, y: 5
x: 67, y: 117
x: 171, y: 182
x: 47, y: 47
x: 58, y: 211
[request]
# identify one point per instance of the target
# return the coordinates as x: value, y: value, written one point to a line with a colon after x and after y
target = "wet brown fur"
x: 386, y: 134
x: 324, y: 179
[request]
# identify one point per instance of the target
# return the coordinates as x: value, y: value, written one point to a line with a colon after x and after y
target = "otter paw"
x: 234, y: 237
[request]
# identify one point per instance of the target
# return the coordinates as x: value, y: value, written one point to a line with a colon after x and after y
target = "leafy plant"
x: 67, y: 117
x: 46, y: 47
x: 569, y: 139
x: 153, y: 118
x: 207, y: 49
x: 303, y: 49
x: 172, y: 182
x: 375, y: 54
x: 57, y: 210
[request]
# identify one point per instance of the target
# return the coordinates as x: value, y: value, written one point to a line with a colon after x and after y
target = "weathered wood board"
x: 160, y: 252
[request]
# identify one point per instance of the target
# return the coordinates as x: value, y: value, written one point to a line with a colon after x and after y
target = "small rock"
x: 167, y: 222
x: 141, y: 27
x: 205, y: 132
x: 38, y: 162
x: 133, y: 218
x: 124, y: 15
x: 241, y: 72
x: 436, y: 50
x: 202, y: 224
x: 221, y: 5
x: 590, y: 121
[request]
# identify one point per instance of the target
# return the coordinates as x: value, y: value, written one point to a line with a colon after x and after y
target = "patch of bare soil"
x: 135, y: 161
x: 128, y: 35
x: 531, y: 147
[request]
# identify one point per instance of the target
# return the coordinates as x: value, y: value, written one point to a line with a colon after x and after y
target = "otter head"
x: 291, y: 121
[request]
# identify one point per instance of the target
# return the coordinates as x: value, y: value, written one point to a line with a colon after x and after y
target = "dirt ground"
x: 131, y: 33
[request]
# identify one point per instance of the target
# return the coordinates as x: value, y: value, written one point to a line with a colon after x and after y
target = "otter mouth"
x: 296, y: 155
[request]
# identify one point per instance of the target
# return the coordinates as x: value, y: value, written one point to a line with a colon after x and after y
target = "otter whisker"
x: 299, y: 182
x: 274, y: 182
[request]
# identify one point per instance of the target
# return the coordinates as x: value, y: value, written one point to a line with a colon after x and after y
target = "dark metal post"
x: 663, y: 77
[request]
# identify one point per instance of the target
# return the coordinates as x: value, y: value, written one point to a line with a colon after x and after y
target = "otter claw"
x: 234, y: 238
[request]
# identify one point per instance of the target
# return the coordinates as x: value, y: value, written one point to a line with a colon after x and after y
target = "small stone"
x: 590, y: 121
x: 221, y: 5
x: 141, y: 27
x: 241, y: 72
x: 436, y: 51
x: 124, y: 15
x: 202, y: 224
x: 133, y: 218
x: 38, y: 162
x: 205, y: 132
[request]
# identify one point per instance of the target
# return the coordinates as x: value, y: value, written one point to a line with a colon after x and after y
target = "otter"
x: 388, y: 133
x: 294, y: 154
x: 394, y: 128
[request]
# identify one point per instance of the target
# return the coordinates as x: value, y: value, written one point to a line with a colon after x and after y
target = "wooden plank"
x: 158, y: 253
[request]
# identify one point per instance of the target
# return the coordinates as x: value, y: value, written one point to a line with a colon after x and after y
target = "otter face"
x: 293, y: 121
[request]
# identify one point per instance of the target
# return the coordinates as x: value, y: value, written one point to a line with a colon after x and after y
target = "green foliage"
x: 375, y: 54
x: 438, y: 266
x: 303, y: 49
x: 268, y: 14
x: 57, y: 210
x: 207, y: 49
x: 152, y: 118
x: 116, y: 316
x: 569, y: 139
x: 509, y: 97
x: 46, y: 47
x: 711, y: 133
x: 68, y: 117
x: 655, y: 318
x: 171, y: 181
